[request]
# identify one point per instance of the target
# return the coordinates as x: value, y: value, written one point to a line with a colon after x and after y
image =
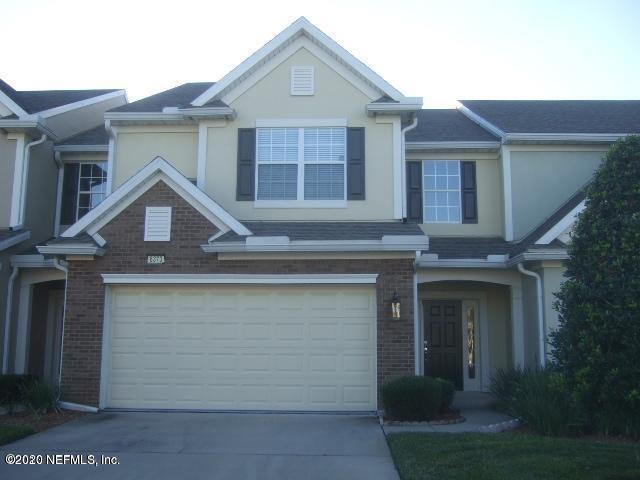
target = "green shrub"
x: 11, y: 388
x: 40, y: 397
x: 503, y: 387
x: 448, y: 390
x: 412, y: 398
x: 542, y: 399
x: 596, y: 345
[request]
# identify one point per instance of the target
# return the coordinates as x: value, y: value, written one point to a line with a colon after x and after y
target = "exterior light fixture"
x: 395, y: 305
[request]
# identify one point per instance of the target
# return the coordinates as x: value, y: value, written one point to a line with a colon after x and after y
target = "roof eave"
x: 453, y: 145
x: 573, y: 138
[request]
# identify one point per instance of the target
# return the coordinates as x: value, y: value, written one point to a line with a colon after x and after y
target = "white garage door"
x: 242, y: 347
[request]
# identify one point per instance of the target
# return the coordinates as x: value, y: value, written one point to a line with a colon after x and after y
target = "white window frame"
x: 300, y: 202
x: 80, y: 192
x: 424, y: 193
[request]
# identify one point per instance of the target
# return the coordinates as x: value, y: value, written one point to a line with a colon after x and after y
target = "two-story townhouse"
x: 32, y: 123
x: 300, y: 232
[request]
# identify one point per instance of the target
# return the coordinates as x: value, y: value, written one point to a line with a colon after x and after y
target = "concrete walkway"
x: 212, y: 446
x: 476, y: 420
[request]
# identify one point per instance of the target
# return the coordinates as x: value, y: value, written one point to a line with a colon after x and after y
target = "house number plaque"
x: 155, y: 259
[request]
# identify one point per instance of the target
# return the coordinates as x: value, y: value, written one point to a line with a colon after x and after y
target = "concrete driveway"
x: 212, y: 446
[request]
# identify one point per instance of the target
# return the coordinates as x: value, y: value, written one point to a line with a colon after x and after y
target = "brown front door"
x: 443, y: 340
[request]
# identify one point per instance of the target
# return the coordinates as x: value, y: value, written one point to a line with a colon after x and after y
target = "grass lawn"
x: 510, y: 456
x: 11, y: 433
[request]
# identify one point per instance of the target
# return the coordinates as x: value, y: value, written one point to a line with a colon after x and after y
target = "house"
x: 32, y: 124
x: 299, y: 233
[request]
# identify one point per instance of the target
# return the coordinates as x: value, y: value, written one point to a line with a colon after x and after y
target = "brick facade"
x: 126, y: 253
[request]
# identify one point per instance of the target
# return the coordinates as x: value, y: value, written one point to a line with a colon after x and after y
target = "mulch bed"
x: 39, y: 423
x: 452, y: 416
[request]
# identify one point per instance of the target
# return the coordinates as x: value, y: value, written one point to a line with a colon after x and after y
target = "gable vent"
x: 302, y: 81
x: 157, y: 224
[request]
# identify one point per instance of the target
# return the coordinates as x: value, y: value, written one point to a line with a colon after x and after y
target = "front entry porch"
x: 470, y: 323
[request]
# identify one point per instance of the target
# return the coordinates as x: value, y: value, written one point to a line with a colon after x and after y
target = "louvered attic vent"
x: 302, y: 81
x: 157, y: 224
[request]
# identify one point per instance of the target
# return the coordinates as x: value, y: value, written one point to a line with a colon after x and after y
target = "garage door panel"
x: 245, y: 348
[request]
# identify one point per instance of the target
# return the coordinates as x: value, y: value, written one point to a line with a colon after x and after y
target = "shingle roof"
x: 94, y: 136
x: 6, y: 234
x: 559, y: 116
x: 326, y: 230
x: 33, y: 101
x: 467, y: 247
x: 447, y: 125
x: 82, y: 238
x: 180, y: 96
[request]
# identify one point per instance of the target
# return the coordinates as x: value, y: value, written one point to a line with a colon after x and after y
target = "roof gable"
x: 300, y: 29
x: 157, y: 170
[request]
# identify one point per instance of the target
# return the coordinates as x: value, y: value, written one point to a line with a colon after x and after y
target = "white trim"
x: 113, y: 136
x: 105, y: 363
x: 71, y: 249
x: 209, y: 112
x: 399, y: 243
x: 81, y: 148
x: 506, y: 190
x: 18, y: 174
x: 484, y: 123
x: 226, y: 279
x: 300, y: 122
x: 14, y: 240
x: 11, y: 105
x: 562, y: 225
x: 153, y: 172
x: 459, y: 145
x: 301, y: 27
x: 81, y: 103
x: 564, y: 137
x: 412, y: 104
x: 542, y: 355
x: 201, y: 172
x: 398, y: 166
x: 59, y: 185
x: 78, y: 407
x: 300, y: 203
x: 99, y: 239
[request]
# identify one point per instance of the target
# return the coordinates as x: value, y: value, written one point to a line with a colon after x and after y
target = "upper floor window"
x: 301, y: 163
x: 442, y: 194
x: 83, y: 189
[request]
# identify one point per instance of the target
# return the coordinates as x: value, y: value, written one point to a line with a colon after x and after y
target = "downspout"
x: 541, y: 335
x: 7, y: 319
x: 59, y: 266
x: 25, y: 175
x: 411, y: 126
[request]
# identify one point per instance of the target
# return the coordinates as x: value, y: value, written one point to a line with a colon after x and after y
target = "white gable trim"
x: 152, y: 173
x: 82, y: 103
x: 559, y: 228
x: 11, y: 105
x: 302, y: 26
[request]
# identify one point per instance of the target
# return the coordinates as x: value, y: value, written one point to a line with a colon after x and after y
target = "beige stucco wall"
x: 335, y: 98
x: 78, y: 120
x: 488, y: 181
x: 137, y: 146
x: 552, y: 278
x: 543, y: 180
x: 7, y: 165
x: 530, y: 319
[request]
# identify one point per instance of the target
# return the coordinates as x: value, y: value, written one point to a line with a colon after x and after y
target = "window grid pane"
x: 277, y: 182
x: 277, y: 145
x: 441, y: 191
x: 92, y: 183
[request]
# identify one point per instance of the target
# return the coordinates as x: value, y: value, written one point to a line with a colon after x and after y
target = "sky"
x: 442, y: 50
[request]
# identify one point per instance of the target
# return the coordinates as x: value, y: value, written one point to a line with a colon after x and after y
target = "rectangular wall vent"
x: 157, y: 224
x: 302, y: 80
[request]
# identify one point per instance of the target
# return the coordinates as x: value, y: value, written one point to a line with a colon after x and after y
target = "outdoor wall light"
x: 395, y: 305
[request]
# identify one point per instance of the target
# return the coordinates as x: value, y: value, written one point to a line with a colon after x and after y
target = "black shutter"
x: 245, y: 186
x: 355, y: 164
x: 69, y: 194
x: 414, y: 192
x: 469, y: 192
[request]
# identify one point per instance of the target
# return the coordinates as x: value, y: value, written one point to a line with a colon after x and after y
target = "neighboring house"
x: 32, y: 123
x: 259, y: 233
